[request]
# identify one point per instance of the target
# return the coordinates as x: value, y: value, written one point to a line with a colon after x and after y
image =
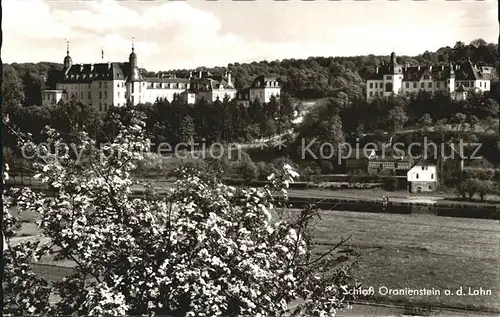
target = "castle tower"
x: 393, y: 81
x: 451, y: 79
x: 68, y: 62
x: 134, y: 79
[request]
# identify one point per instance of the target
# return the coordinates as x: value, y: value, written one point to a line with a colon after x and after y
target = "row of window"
x: 102, y: 84
x: 430, y: 84
x: 168, y: 85
x: 432, y: 176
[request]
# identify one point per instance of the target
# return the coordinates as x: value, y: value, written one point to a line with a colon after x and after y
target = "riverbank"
x: 399, y: 202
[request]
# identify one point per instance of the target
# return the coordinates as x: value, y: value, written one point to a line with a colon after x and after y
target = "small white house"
x: 422, y: 177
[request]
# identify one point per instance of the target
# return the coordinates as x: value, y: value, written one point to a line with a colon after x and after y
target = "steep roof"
x: 260, y: 81
x: 166, y: 80
x: 86, y: 73
x: 463, y: 71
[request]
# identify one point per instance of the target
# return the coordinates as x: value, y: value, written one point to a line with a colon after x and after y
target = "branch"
x: 342, y: 241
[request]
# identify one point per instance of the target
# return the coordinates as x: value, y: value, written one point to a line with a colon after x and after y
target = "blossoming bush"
x: 205, y: 249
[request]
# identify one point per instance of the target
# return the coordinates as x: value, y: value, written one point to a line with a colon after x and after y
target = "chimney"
x: 201, y: 74
x: 81, y: 67
x: 228, y: 75
x: 91, y: 67
x: 377, y: 70
x: 442, y: 67
x: 430, y: 68
x: 109, y: 65
x: 190, y: 75
x: 418, y: 68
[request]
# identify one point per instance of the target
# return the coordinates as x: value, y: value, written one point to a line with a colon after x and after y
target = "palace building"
x: 456, y: 79
x: 102, y: 85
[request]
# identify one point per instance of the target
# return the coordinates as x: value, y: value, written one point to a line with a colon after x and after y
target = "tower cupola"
x: 134, y: 70
x: 68, y: 62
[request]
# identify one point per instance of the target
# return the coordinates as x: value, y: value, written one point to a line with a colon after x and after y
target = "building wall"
x: 119, y: 93
x: 425, y: 173
x: 422, y: 186
x: 264, y: 94
x: 231, y: 93
x: 154, y: 93
x: 51, y: 98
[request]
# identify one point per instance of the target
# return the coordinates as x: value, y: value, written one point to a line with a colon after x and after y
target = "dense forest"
x: 311, y: 78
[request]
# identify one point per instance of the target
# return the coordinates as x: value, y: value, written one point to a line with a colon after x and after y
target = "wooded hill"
x: 311, y: 78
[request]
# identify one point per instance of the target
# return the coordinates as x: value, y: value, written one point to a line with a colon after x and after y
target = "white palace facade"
x: 103, y: 85
x: 456, y: 79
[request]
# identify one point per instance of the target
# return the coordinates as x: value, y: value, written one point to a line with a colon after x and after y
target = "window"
x: 81, y: 95
x: 371, y: 93
x: 105, y: 95
x: 100, y: 94
x: 389, y: 78
x: 480, y: 84
x: 118, y: 85
x: 118, y: 94
x: 371, y: 85
x: 100, y: 85
x: 100, y: 106
x: 438, y: 85
x: 414, y: 85
x: 90, y: 95
x: 422, y: 85
x: 105, y: 84
x: 417, y: 175
x: 430, y: 85
x: 423, y: 168
x: 388, y: 87
x: 426, y: 77
x: 432, y: 176
x: 407, y: 85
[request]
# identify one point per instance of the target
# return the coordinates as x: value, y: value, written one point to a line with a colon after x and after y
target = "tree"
x: 187, y: 129
x: 245, y: 169
x: 478, y: 42
x: 459, y: 119
x: 33, y: 85
x: 485, y: 187
x: 13, y: 90
x: 206, y: 249
x: 397, y: 116
x: 469, y: 187
x: 425, y: 121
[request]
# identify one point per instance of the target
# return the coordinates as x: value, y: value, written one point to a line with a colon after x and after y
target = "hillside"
x: 311, y: 78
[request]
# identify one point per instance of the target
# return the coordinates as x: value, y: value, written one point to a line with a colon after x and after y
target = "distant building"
x: 119, y: 83
x: 262, y: 89
x: 458, y: 80
x: 422, y: 177
x: 368, y: 161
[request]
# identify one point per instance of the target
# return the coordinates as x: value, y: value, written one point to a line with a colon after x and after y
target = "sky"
x: 188, y: 34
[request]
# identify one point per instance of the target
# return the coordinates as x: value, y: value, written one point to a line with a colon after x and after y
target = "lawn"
x: 419, y: 251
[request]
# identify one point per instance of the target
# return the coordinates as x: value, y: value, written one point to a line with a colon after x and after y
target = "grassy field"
x: 399, y: 251
x: 420, y: 251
